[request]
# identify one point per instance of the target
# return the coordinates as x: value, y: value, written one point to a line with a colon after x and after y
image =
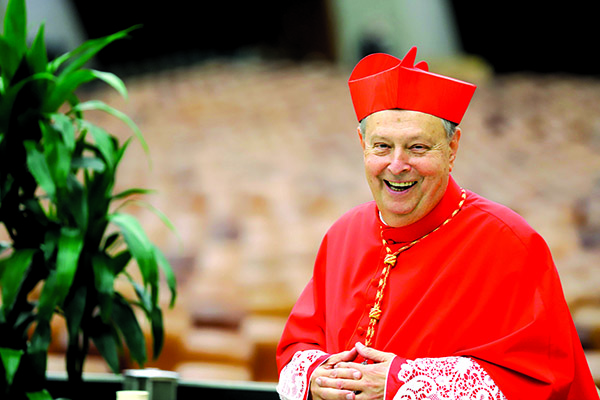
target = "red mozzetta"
x: 482, y: 286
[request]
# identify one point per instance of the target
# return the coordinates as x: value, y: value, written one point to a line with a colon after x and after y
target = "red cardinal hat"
x: 383, y: 82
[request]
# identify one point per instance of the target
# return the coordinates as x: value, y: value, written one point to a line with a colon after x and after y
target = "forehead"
x: 400, y: 122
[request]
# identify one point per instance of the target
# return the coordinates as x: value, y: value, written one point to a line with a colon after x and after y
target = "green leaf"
x: 74, y: 309
x: 105, y: 340
x: 50, y: 243
x: 13, y: 44
x: 112, y: 238
x: 130, y: 192
x: 142, y: 294
x: 15, y: 24
x: 40, y: 395
x: 40, y: 340
x: 69, y: 248
x: 58, y: 156
x: 11, y: 92
x: 9, y: 60
x: 112, y: 80
x: 127, y: 323
x: 64, y: 125
x: 36, y: 162
x: 165, y: 266
x: 47, y: 300
x: 11, y: 359
x: 59, y: 281
x: 65, y: 86
x: 37, y: 56
x: 140, y: 247
x: 104, y: 143
x: 165, y: 220
x: 156, y: 320
x: 81, y: 55
x: 33, y: 206
x: 101, y: 106
x: 123, y: 149
x: 104, y: 278
x: 92, y: 163
x: 13, y: 271
x: 5, y: 186
x: 120, y: 261
x: 76, y: 203
x: 24, y: 320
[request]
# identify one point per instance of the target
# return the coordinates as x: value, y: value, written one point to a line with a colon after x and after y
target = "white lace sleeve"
x: 446, y: 378
x: 293, y: 379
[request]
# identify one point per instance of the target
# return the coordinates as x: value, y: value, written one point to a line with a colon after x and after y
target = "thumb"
x: 348, y: 355
x: 344, y: 356
x: 370, y: 353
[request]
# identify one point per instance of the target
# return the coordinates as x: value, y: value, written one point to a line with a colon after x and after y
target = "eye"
x: 419, y: 148
x: 381, y: 146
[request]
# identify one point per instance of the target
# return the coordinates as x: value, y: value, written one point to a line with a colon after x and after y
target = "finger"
x: 348, y: 355
x: 372, y: 354
x: 348, y: 365
x: 345, y: 373
x: 333, y: 383
x: 332, y: 394
x: 348, y: 385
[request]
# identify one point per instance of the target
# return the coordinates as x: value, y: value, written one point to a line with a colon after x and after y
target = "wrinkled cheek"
x: 431, y: 169
x: 373, y: 168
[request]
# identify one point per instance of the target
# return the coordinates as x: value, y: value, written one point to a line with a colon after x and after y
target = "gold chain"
x: 388, y: 263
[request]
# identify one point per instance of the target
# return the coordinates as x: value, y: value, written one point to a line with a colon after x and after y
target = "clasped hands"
x: 340, y: 378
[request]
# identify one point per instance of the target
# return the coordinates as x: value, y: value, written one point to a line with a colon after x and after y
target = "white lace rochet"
x: 456, y: 378
x: 293, y: 380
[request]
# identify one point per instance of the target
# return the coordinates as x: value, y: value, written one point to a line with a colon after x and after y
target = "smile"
x: 400, y: 186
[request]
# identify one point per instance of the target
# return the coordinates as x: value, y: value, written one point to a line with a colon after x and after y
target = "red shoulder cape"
x: 482, y: 286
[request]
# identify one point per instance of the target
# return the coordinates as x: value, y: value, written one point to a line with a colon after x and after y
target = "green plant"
x: 69, y: 239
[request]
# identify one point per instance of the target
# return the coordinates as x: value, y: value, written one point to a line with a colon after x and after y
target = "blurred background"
x: 254, y: 152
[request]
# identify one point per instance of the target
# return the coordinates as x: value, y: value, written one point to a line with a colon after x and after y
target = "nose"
x: 399, y: 164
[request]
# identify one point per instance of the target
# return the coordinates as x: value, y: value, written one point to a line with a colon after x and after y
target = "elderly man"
x: 430, y: 291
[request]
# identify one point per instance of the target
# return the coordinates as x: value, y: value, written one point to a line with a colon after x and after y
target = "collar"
x: 441, y: 212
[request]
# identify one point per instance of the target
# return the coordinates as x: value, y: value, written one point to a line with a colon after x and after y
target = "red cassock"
x: 482, y: 286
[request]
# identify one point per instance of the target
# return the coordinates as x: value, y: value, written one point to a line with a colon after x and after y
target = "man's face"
x: 408, y: 159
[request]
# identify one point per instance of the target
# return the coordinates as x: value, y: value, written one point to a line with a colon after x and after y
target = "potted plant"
x: 68, y: 237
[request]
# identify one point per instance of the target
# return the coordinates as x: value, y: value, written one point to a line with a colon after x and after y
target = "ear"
x: 454, y: 147
x: 360, y: 137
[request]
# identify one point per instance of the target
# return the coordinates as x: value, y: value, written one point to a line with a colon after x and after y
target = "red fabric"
x: 482, y: 286
x: 382, y: 82
x: 393, y: 381
x: 310, y: 371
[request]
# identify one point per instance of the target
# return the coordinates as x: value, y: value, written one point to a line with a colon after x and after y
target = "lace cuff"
x: 441, y: 378
x: 295, y: 376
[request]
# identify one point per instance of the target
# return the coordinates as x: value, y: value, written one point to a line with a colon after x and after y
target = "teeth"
x: 400, y: 185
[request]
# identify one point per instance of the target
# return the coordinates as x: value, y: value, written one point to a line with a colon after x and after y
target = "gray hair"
x: 449, y: 127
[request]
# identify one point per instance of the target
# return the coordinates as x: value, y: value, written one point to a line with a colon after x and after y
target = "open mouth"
x: 400, y: 186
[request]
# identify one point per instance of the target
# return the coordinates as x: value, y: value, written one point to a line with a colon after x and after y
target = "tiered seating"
x: 253, y: 161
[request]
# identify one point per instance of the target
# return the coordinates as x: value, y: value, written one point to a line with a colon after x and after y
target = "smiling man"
x: 430, y: 291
